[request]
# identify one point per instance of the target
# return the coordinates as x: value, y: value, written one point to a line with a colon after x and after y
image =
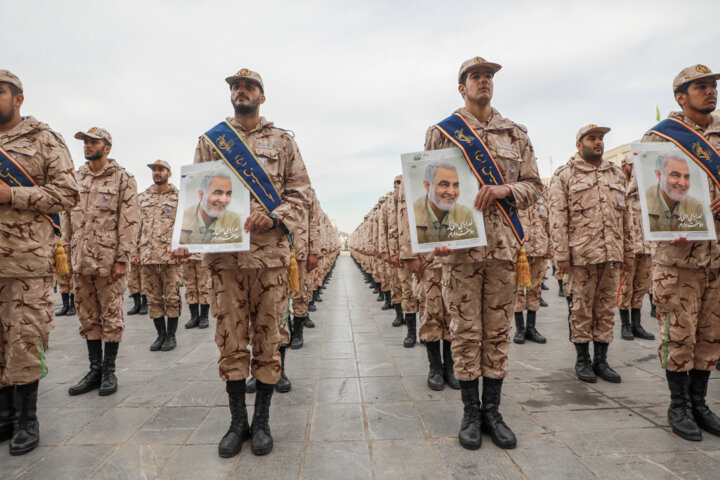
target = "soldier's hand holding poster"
x: 212, y: 210
x: 440, y: 191
x: 674, y: 194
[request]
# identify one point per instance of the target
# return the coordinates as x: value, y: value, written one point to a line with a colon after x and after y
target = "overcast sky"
x: 358, y: 82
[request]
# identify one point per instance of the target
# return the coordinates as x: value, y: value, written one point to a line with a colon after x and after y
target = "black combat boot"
x: 583, y: 366
x: 7, y: 412
x: 388, y: 304
x: 561, y: 291
x: 569, y: 299
x: 680, y: 415
x: 26, y: 430
x: 600, y: 365
x: 71, y: 306
x: 531, y: 332
x: 543, y: 286
x: 162, y: 333
x: 381, y: 297
x: 311, y: 306
x: 376, y: 287
x: 543, y: 303
x: 296, y: 338
x: 625, y: 332
x: 704, y: 417
x: 170, y: 342
x: 653, y: 309
x: 203, y: 320
x: 93, y: 378
x: 410, y: 339
x: 399, y: 319
x: 448, y: 372
x: 251, y: 386
x: 435, y: 376
x: 636, y: 328
x: 492, y: 421
x: 519, y: 328
x: 316, y: 296
x: 194, y: 315
x: 239, y: 431
x: 309, y: 323
x: 108, y: 385
x: 283, y: 385
x: 143, y: 305
x: 470, y: 430
x: 65, y: 305
x: 262, y: 442
x: 136, y: 304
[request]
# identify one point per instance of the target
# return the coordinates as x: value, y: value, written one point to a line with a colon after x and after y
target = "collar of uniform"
x: 109, y: 167
x: 263, y: 123
x: 581, y: 164
x: 26, y: 125
x: 495, y: 122
x: 714, y: 126
x: 171, y: 188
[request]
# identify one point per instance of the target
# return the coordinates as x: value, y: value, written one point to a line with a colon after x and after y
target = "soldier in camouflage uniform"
x: 27, y: 262
x: 135, y: 284
x: 160, y: 272
x: 196, y: 278
x: 405, y: 276
x: 101, y: 233
x: 65, y: 283
x: 686, y: 279
x: 591, y: 233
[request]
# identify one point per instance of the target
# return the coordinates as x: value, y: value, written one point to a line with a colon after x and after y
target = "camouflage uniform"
x: 409, y: 301
x: 537, y: 245
x: 196, y: 278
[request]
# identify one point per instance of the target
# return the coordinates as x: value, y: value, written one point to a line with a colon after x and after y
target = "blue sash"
x: 481, y: 163
x: 241, y: 160
x: 692, y: 143
x: 13, y: 174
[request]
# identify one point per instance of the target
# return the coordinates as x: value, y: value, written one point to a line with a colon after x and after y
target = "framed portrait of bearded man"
x: 212, y: 209
x: 674, y: 193
x: 440, y: 189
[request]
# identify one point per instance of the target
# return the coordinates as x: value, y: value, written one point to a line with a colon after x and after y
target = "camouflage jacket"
x: 103, y: 226
x: 27, y: 242
x: 314, y: 225
x: 158, y: 212
x: 392, y: 223
x: 283, y: 162
x: 640, y: 245
x: 535, y: 222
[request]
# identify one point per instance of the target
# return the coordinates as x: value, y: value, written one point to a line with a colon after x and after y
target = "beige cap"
x: 477, y: 62
x: 627, y: 159
x: 8, y: 77
x: 160, y: 163
x: 96, y: 133
x: 589, y: 128
x: 398, y: 179
x: 696, y: 72
x: 247, y: 75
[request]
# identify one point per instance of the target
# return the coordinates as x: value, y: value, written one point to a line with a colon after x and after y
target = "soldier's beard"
x: 211, y: 210
x: 4, y: 119
x: 94, y: 156
x: 441, y: 202
x: 676, y: 193
x: 246, y: 109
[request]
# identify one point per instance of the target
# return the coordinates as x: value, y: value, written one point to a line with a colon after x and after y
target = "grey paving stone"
x: 203, y: 460
x: 199, y: 394
x: 59, y: 425
x: 12, y: 466
x: 377, y: 369
x: 489, y: 462
x: 383, y: 390
x: 406, y: 459
x: 632, y: 467
x: 170, y: 426
x: 621, y: 441
x: 590, y: 420
x: 347, y: 460
x: 541, y: 456
x: 337, y: 422
x: 388, y: 421
x: 338, y: 390
x: 284, y: 464
x: 116, y: 426
x: 135, y: 461
x: 69, y: 462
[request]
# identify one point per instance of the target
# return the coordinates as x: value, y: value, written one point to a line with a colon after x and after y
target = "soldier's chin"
x: 215, y: 212
x: 676, y: 197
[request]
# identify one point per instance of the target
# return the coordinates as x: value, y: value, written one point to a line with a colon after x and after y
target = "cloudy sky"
x: 358, y: 82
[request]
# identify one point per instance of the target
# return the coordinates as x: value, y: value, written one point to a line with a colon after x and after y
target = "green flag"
x: 657, y: 113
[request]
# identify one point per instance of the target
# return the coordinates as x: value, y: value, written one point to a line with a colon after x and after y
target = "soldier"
x: 65, y: 283
x: 196, y: 278
x: 479, y: 284
x: 686, y: 274
x: 135, y: 284
x: 591, y: 232
x: 634, y: 283
x: 40, y: 184
x: 409, y: 301
x: 101, y: 233
x: 537, y: 248
x: 393, y: 254
x: 250, y: 288
x: 160, y: 272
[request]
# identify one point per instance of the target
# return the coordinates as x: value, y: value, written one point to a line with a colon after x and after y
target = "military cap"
x: 160, y: 163
x: 8, y: 77
x: 590, y: 128
x: 627, y: 159
x: 477, y: 62
x: 247, y: 75
x: 696, y: 72
x: 95, y: 132
x: 398, y: 179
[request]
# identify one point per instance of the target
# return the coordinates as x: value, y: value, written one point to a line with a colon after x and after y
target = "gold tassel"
x: 523, y: 269
x: 61, y: 260
x: 294, y: 274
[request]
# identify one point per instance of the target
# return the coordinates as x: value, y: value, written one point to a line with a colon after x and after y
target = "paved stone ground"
x: 359, y: 408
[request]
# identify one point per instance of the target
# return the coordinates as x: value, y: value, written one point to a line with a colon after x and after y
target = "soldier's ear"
x: 262, y: 99
x: 19, y: 99
x: 578, y: 145
x: 461, y: 89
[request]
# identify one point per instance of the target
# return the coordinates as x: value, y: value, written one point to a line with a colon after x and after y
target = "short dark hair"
x: 683, y: 88
x: 463, y: 78
x: 14, y: 89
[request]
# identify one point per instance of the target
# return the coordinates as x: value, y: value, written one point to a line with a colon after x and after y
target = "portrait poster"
x: 674, y: 193
x: 212, y: 209
x: 440, y: 191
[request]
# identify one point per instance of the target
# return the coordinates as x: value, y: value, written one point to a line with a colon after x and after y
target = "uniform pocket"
x: 582, y: 197
x: 106, y: 199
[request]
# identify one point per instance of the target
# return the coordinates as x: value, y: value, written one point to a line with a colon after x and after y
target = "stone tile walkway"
x: 359, y: 408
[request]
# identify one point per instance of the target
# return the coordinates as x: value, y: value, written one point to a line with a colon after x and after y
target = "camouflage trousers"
x: 688, y: 311
x: 65, y: 283
x: 134, y: 277
x: 300, y: 299
x: 528, y: 298
x: 635, y: 283
x: 196, y: 279
x: 376, y: 269
x: 409, y: 301
x: 99, y: 305
x: 594, y: 291
x: 480, y: 297
x: 26, y: 318
x: 251, y: 306
x: 395, y: 288
x: 162, y: 289
x: 310, y: 283
x: 386, y: 275
x: 435, y: 319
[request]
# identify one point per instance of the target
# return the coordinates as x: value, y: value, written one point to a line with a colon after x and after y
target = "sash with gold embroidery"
x: 13, y: 174
x: 692, y: 143
x: 241, y: 160
x: 482, y: 163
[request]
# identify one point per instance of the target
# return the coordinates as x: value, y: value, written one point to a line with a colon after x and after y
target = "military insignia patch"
x: 105, y: 200
x: 244, y: 72
x: 480, y: 60
x: 512, y: 172
x: 592, y: 125
x: 92, y: 130
x: 168, y: 211
x: 702, y: 69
